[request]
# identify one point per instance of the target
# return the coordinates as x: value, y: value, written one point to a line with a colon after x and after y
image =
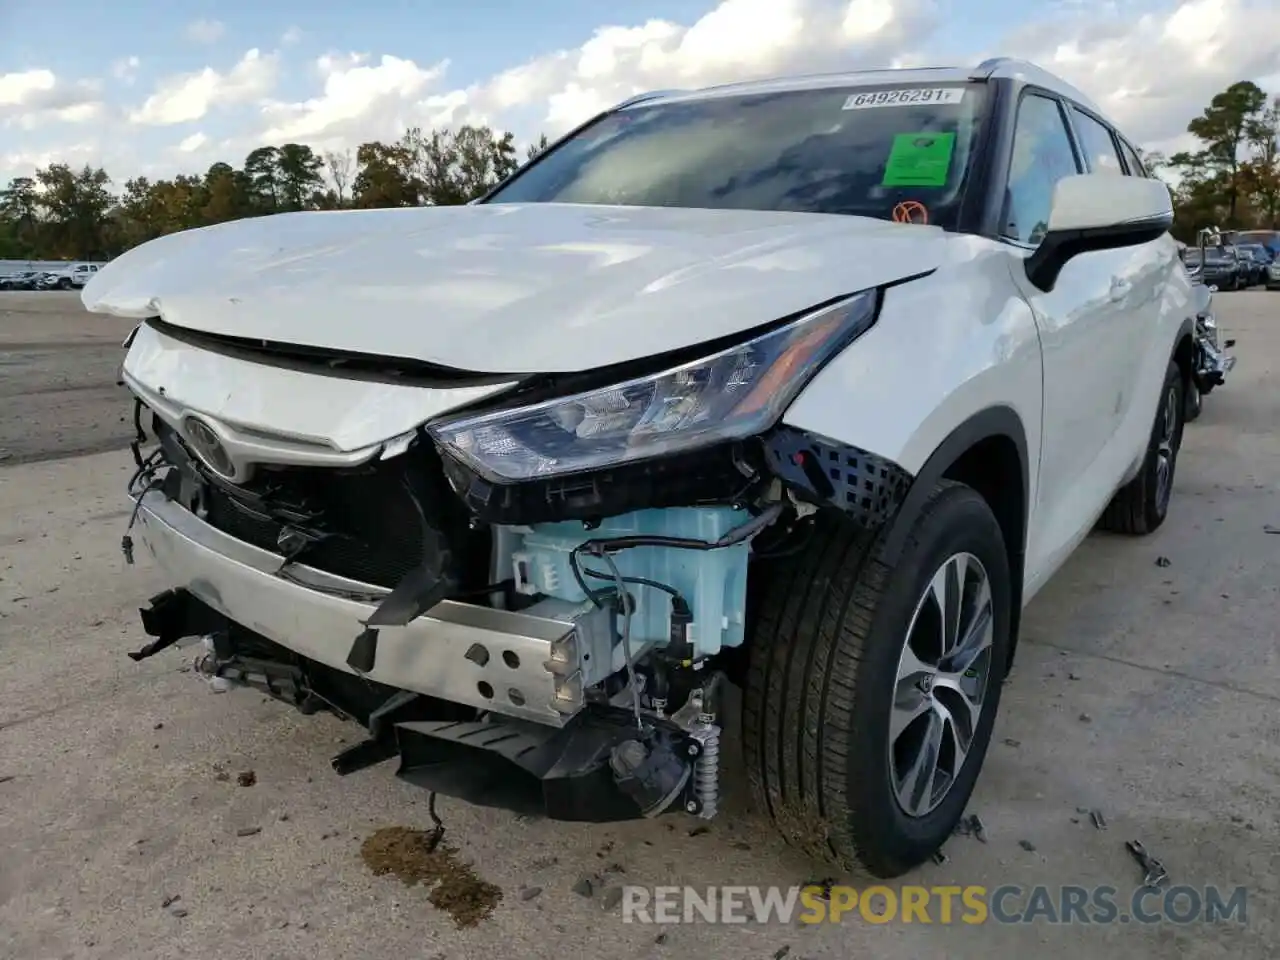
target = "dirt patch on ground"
x: 417, y: 856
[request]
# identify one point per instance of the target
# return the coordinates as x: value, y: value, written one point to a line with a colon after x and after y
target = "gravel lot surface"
x: 1144, y: 690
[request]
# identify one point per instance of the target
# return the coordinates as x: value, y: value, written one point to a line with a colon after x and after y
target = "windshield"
x: 886, y: 152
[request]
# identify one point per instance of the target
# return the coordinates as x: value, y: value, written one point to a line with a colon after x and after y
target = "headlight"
x: 729, y: 395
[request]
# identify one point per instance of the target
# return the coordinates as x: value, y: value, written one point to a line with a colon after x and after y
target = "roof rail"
x: 648, y: 95
x: 987, y: 68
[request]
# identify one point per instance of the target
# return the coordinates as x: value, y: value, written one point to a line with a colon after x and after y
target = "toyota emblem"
x: 206, y: 445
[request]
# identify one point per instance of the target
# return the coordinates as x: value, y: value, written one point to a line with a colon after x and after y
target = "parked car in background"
x: 1218, y: 267
x: 70, y: 277
x: 1273, y: 275
x: 26, y: 280
x: 1268, y: 239
x: 1259, y: 258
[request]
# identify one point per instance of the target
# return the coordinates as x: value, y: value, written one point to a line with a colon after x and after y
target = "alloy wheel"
x: 941, y: 684
x: 1166, y: 451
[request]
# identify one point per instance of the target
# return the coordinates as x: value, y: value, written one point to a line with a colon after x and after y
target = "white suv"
x: 809, y: 384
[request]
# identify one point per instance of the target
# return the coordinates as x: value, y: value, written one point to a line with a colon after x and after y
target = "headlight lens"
x: 729, y: 395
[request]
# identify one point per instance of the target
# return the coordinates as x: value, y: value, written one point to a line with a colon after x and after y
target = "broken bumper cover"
x: 1214, y: 365
x: 521, y: 658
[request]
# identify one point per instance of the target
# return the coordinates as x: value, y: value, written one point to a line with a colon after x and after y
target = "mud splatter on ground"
x: 412, y: 857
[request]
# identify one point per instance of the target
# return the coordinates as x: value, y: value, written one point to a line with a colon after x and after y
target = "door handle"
x: 1120, y: 288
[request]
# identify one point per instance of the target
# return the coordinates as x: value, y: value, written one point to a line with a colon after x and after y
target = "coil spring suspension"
x: 706, y: 771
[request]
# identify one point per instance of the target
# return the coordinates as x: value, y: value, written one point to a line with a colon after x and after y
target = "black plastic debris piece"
x: 1010, y: 742
x: 1268, y: 528
x: 971, y: 826
x: 824, y: 886
x: 1027, y: 845
x: 248, y: 831
x: 1154, y: 873
x: 940, y: 858
x: 1163, y: 562
x: 781, y: 952
x: 1098, y: 820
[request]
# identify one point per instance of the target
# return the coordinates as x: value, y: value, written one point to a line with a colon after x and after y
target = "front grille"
x: 370, y: 527
x: 374, y: 523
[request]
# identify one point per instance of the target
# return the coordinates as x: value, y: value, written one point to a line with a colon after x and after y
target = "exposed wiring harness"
x: 604, y: 546
x: 627, y: 610
x: 603, y: 549
x: 142, y: 482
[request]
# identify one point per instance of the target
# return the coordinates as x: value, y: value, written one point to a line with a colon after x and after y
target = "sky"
x: 158, y: 87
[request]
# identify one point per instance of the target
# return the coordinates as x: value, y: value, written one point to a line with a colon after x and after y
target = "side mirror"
x: 1098, y: 211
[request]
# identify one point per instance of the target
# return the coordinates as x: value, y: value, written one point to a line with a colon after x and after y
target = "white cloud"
x: 35, y: 98
x: 355, y: 96
x: 290, y: 37
x: 25, y: 162
x: 126, y: 69
x: 205, y: 31
x: 188, y: 97
x: 1153, y: 73
x: 193, y: 143
x: 19, y: 89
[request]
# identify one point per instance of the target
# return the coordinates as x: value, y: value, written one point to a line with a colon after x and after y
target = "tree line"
x: 1231, y: 180
x: 62, y: 213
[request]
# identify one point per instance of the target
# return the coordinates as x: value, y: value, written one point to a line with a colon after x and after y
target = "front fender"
x: 945, y: 347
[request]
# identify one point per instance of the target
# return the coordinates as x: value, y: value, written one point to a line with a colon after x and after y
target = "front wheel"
x: 872, y: 689
x: 64, y: 284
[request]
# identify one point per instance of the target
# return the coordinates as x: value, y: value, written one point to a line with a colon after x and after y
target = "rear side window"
x: 1099, y: 148
x: 1133, y: 161
x: 1042, y: 155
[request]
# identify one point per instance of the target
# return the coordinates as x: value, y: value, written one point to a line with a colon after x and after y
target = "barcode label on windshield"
x: 902, y: 98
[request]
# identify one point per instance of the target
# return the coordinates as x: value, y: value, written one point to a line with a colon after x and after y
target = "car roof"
x: 1002, y: 68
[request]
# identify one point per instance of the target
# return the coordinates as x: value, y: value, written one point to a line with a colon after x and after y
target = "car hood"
x: 507, y: 288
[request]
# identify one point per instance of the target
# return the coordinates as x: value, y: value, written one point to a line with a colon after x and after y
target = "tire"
x: 1141, y: 505
x: 64, y: 284
x: 827, y: 639
x: 1194, y: 401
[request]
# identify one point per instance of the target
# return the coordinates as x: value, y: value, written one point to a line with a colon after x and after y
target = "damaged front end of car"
x: 531, y: 601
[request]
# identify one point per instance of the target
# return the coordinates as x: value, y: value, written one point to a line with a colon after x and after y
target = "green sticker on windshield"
x: 919, y: 160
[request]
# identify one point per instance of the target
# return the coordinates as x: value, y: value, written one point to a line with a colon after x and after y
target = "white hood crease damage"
x: 507, y: 288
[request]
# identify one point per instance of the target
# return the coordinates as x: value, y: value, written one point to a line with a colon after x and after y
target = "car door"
x: 1080, y: 336
x: 1140, y: 276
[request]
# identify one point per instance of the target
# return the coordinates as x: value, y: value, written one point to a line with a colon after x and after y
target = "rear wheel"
x: 1140, y: 506
x: 872, y: 689
x: 1194, y: 401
